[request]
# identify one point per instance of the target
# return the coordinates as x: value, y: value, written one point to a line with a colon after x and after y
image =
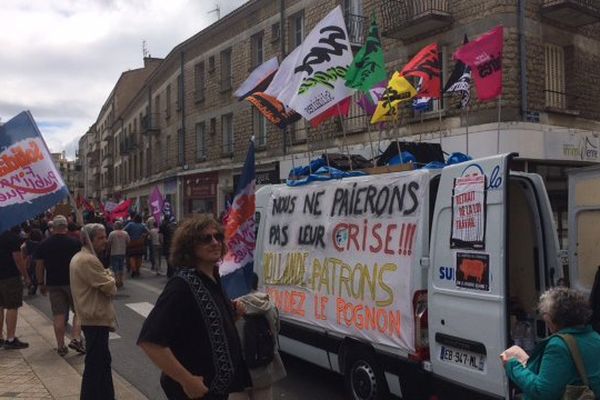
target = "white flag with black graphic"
x: 460, y: 81
x: 317, y: 77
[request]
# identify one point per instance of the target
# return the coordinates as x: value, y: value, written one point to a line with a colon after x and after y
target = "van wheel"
x: 364, y: 380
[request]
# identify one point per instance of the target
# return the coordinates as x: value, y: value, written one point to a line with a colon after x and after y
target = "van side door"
x: 467, y: 301
x: 584, y: 227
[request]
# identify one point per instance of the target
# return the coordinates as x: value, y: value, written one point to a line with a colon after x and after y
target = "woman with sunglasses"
x: 190, y: 334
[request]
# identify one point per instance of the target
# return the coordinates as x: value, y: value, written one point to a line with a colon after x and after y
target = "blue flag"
x: 29, y: 181
x: 238, y: 264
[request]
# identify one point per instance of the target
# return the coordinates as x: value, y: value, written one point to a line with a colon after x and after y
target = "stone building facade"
x: 184, y: 132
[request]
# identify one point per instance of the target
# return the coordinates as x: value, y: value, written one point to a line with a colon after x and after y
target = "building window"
x: 199, y: 82
x: 157, y: 104
x: 260, y: 127
x: 181, y: 146
x: 227, y: 130
x: 168, y: 100
x: 166, y: 153
x: 555, y: 76
x: 179, y: 100
x: 226, y: 69
x: 296, y: 30
x: 257, y: 49
x: 200, y: 141
x: 211, y: 64
x: 213, y: 126
x: 275, y: 32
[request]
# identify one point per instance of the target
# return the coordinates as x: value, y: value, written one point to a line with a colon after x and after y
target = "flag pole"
x: 345, y: 143
x: 324, y: 145
x: 371, y: 143
x: 440, y: 120
x: 397, y: 130
x: 498, y: 133
x: 467, y: 129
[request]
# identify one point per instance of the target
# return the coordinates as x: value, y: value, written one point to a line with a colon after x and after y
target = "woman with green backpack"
x: 566, y: 365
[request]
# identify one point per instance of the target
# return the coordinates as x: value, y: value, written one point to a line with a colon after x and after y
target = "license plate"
x: 461, y: 357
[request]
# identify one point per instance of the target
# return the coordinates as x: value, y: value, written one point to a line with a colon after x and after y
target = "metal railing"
x: 593, y: 5
x: 357, y: 26
x: 149, y: 122
x: 397, y: 13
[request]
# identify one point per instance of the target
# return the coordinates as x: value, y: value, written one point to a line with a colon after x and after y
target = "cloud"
x: 61, y: 58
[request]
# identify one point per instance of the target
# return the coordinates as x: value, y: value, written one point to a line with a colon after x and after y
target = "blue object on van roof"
x: 458, y: 157
x: 434, y: 165
x: 407, y: 157
x: 324, y: 174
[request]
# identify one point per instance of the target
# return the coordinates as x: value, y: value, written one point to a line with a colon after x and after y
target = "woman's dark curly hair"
x: 185, y: 240
x: 565, y: 307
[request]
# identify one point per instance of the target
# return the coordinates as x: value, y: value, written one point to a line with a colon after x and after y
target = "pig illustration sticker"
x: 473, y: 271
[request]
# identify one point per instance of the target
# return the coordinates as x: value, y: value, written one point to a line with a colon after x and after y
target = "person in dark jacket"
x: 190, y: 334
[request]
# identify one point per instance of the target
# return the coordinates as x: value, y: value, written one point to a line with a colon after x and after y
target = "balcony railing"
x: 149, y: 123
x: 357, y: 29
x: 573, y: 13
x: 404, y: 19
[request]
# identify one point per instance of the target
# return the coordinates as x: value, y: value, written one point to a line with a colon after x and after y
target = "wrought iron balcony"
x: 149, y: 123
x: 357, y: 26
x: 573, y: 13
x: 404, y: 19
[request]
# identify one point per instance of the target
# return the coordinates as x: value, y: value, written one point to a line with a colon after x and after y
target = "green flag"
x: 367, y: 68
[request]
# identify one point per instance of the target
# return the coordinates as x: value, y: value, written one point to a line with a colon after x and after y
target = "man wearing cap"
x: 52, y: 257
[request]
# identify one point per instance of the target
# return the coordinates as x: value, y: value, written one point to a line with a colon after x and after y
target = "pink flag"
x: 156, y: 204
x: 484, y: 56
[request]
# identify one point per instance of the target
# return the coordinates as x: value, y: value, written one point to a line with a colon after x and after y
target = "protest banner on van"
x: 339, y: 254
x: 29, y: 181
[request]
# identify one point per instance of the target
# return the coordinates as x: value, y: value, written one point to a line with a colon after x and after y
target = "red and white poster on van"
x: 468, y: 212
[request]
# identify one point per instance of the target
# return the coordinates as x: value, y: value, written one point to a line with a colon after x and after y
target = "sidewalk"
x: 39, y: 373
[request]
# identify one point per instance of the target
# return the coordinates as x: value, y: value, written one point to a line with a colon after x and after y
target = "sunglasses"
x: 207, y: 239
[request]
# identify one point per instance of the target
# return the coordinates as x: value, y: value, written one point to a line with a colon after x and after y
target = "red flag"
x: 120, y: 211
x: 87, y: 205
x: 341, y: 109
x: 484, y: 56
x: 427, y: 66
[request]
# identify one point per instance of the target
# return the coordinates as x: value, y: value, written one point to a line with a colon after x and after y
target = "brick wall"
x: 235, y: 31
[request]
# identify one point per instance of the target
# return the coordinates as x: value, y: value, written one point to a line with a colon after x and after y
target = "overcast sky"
x: 61, y: 58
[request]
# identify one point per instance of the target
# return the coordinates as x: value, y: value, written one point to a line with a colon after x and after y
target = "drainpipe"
x: 181, y: 98
x: 523, y: 58
x: 282, y: 53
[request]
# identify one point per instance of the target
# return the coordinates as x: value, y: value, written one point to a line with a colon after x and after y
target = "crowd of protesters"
x: 80, y: 269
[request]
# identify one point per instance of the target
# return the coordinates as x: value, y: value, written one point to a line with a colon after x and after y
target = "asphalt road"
x: 135, y: 300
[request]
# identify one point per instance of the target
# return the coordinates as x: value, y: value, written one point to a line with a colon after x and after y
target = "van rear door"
x: 584, y: 226
x: 467, y: 301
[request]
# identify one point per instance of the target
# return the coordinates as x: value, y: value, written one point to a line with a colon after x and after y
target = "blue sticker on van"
x: 447, y: 273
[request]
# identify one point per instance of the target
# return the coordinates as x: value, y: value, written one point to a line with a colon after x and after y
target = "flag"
x: 460, y: 81
x: 484, y: 57
x: 155, y: 203
x: 29, y: 181
x: 422, y: 104
x: 368, y: 101
x: 340, y: 109
x: 119, y: 212
x: 258, y: 80
x: 87, y: 205
x: 273, y: 110
x: 317, y: 69
x: 367, y: 68
x: 168, y: 214
x: 398, y: 91
x: 238, y: 264
x: 426, y: 68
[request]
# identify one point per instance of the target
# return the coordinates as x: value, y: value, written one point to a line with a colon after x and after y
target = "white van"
x: 410, y: 284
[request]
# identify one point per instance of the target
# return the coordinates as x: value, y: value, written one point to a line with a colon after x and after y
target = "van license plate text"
x: 462, y: 357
